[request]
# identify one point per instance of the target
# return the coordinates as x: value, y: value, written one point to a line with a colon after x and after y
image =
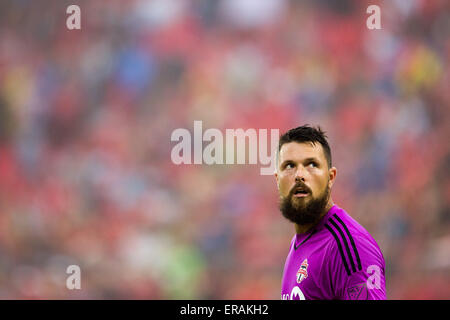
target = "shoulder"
x: 352, y: 245
x: 353, y: 261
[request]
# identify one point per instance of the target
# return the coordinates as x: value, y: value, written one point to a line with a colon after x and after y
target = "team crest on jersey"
x: 302, y: 272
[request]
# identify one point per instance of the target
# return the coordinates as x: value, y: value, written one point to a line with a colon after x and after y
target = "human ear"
x: 332, y: 175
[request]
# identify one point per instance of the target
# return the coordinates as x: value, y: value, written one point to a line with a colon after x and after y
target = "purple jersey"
x: 337, y: 259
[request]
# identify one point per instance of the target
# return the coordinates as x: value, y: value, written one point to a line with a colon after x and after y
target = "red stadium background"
x: 86, y: 118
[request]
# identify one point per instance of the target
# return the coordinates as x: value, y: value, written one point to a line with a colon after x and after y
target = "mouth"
x: 301, y: 192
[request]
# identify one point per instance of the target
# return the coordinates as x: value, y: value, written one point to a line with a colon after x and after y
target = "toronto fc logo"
x: 302, y: 272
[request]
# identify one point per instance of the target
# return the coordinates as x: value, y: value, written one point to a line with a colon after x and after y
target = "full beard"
x: 303, y: 211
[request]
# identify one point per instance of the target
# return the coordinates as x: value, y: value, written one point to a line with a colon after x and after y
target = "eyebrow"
x: 311, y: 159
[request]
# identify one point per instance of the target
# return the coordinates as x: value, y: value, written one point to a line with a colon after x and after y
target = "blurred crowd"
x: 86, y: 118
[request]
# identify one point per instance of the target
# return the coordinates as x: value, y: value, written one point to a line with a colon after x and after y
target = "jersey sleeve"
x: 356, y: 269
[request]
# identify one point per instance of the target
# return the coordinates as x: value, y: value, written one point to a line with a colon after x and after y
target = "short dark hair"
x: 306, y: 133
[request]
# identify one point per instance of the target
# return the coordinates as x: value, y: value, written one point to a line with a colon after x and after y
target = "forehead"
x: 297, y: 151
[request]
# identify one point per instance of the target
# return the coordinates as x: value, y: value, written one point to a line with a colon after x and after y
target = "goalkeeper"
x: 331, y: 256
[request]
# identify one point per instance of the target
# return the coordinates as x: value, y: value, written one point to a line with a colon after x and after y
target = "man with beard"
x: 331, y: 255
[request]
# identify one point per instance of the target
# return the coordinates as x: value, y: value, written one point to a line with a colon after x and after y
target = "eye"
x: 313, y: 164
x: 289, y: 165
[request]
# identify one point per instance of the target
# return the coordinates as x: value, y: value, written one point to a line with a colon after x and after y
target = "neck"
x: 303, y: 228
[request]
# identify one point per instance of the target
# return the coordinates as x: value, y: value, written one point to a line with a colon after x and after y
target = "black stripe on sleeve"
x: 351, y: 240
x: 344, y: 240
x: 340, y: 247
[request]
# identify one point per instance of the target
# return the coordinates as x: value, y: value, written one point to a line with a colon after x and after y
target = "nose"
x: 299, y: 175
